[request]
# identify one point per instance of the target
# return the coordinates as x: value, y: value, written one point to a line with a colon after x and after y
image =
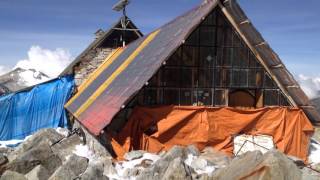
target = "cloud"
x: 310, y: 85
x: 3, y: 70
x: 49, y: 62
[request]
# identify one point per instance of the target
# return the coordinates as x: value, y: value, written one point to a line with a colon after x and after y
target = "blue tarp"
x: 23, y: 113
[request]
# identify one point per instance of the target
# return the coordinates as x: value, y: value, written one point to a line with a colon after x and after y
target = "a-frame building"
x: 211, y: 55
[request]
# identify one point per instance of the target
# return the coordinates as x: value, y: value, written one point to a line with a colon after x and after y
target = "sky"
x: 291, y: 27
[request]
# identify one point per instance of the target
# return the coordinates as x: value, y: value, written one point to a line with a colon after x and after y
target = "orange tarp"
x: 160, y: 128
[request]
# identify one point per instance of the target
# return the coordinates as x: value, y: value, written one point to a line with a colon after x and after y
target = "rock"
x: 173, y: 153
x: 3, y: 159
x: 199, y: 163
x: 214, y: 157
x: 192, y: 149
x: 308, y: 174
x: 272, y: 165
x: 108, y: 167
x: 66, y: 146
x: 94, y: 172
x: 40, y: 154
x: 11, y: 175
x: 76, y: 164
x: 38, y: 173
x: 50, y: 136
x: 134, y: 155
x: 63, y: 173
x: 176, y: 171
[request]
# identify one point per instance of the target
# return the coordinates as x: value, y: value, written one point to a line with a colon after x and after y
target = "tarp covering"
x: 23, y: 113
x: 160, y: 128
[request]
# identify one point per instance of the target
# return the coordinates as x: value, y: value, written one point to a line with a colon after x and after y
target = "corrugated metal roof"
x: 125, y: 72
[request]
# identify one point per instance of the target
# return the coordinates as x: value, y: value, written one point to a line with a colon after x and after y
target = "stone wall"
x: 89, y: 63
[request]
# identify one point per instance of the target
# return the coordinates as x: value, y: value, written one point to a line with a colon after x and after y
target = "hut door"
x: 241, y: 98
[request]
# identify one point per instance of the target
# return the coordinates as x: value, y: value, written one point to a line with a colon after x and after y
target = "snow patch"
x: 314, y: 154
x: 13, y: 142
x: 83, y: 151
x: 30, y: 78
x: 64, y: 132
x: 124, y: 166
x: 193, y: 162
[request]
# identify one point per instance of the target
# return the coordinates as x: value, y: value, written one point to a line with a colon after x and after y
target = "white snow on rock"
x: 84, y: 151
x: 123, y: 166
x: 314, y: 152
x: 13, y: 142
x: 199, y: 165
x: 64, y: 132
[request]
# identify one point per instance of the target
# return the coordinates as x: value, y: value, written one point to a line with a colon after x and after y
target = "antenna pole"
x: 124, y: 26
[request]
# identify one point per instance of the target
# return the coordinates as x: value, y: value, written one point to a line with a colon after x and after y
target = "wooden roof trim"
x: 251, y: 46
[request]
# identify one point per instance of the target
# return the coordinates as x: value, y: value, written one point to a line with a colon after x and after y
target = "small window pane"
x: 207, y: 57
x: 205, y: 77
x: 283, y: 100
x: 175, y: 59
x: 220, y: 97
x: 190, y: 56
x: 150, y: 96
x: 225, y: 56
x: 193, y: 39
x: 271, y: 98
x: 204, y: 97
x: 222, y: 77
x: 268, y: 83
x: 240, y: 78
x: 171, y: 77
x: 185, y: 97
x: 171, y: 96
x: 186, y: 77
x: 207, y: 36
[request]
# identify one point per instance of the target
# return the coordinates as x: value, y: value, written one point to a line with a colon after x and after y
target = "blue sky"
x: 291, y: 27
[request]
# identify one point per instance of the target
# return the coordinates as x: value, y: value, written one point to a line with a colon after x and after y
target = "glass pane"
x: 190, y: 56
x: 204, y: 97
x: 193, y: 39
x: 205, y: 77
x: 207, y: 36
x: 225, y: 56
x: 240, y: 78
x: 210, y: 19
x: 186, y: 77
x: 241, y: 58
x: 220, y: 97
x: 222, y: 77
x: 185, y: 97
x: 175, y: 58
x: 171, y: 96
x: 271, y: 98
x: 207, y: 56
x: 283, y: 100
x: 150, y: 96
x: 268, y: 83
x: 171, y: 77
x: 255, y: 78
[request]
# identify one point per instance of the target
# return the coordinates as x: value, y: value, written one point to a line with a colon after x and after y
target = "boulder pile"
x: 53, y: 155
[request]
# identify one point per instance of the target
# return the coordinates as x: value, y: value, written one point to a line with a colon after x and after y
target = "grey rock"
x: 108, y: 167
x: 308, y: 174
x: 94, y: 172
x: 176, y: 171
x: 133, y: 155
x: 63, y: 173
x: 3, y: 159
x: 40, y: 154
x: 11, y: 175
x: 76, y: 164
x: 50, y: 136
x: 272, y: 165
x: 38, y: 173
x: 192, y: 149
x: 174, y: 152
x: 66, y: 146
x: 215, y: 158
x: 199, y: 163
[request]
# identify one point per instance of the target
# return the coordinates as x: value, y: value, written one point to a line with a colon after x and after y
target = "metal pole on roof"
x: 121, y: 5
